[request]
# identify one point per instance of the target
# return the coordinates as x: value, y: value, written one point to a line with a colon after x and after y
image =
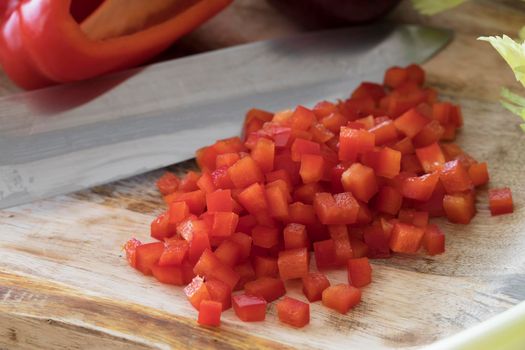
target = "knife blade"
x: 75, y: 136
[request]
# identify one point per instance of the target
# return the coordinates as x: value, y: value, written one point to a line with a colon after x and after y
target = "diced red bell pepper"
x: 386, y: 162
x: 359, y: 272
x: 228, y: 252
x: 265, y: 266
x: 178, y: 212
x: 353, y: 142
x: 226, y: 160
x: 283, y: 161
x: 361, y: 181
x: 268, y: 288
x: 334, y: 122
x: 324, y: 252
x: 366, y: 89
x: 420, y: 188
x: 301, y: 146
x: 295, y: 236
x: 196, y: 292
x: 306, y: 193
x: 359, y: 248
x: 219, y: 292
x: 500, y: 201
x: 249, y: 308
x: 263, y: 154
x: 410, y: 164
x: 246, y: 273
x: 293, y: 312
x: 254, y: 120
x: 324, y: 108
x: 302, y: 118
x: 434, y: 240
x: 188, y: 182
x: 335, y: 179
x: 301, y: 213
x: 159, y: 227
x: 313, y: 286
x: 341, y: 297
x: 293, y: 263
x: 210, y: 266
x: 205, y: 183
x: 459, y: 208
x: 265, y: 237
x: 245, y: 243
x: 377, y: 241
x: 221, y: 178
x: 416, y: 218
x: 342, y: 247
x: 384, y: 132
x: 312, y: 168
x: 176, y: 275
x: 196, y: 200
x: 224, y: 224
x: 431, y: 157
x: 245, y: 172
x: 168, y: 183
x: 196, y: 232
x: 147, y: 255
x: 454, y: 177
x: 253, y: 199
x: 406, y: 238
x: 280, y: 174
x: 210, y: 313
x: 456, y: 118
x: 432, y: 132
x: 341, y: 208
x: 131, y: 251
x: 175, y: 252
x: 395, y: 76
x: 405, y: 146
x: 415, y: 73
x: 389, y: 200
x: 320, y: 133
x: 411, y: 122
x: 219, y: 200
x: 478, y: 173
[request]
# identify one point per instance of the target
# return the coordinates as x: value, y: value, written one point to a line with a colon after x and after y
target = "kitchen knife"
x: 70, y: 137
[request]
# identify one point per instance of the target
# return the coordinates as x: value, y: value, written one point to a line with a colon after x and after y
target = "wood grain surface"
x: 64, y: 283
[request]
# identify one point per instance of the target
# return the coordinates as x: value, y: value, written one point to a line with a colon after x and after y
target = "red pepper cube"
x: 196, y: 200
x: 219, y: 292
x: 321, y: 134
x: 293, y: 263
x: 388, y: 163
x: 441, y: 112
x: 253, y: 199
x: 147, y: 255
x: 500, y: 201
x: 341, y: 208
x: 454, y: 177
x: 420, y: 188
x: 405, y: 146
x: 353, y: 142
x: 324, y: 252
x: 395, y: 76
x: 302, y: 118
x: 389, y: 200
x: 210, y: 266
x: 249, y: 308
x: 431, y: 133
x: 416, y: 218
x: 279, y: 201
x: 431, y: 157
x: 263, y: 154
x: 255, y: 114
x: 189, y: 182
x: 334, y: 122
x: 411, y: 122
x: 178, y: 212
x: 385, y: 132
x: 324, y: 108
x: 168, y: 183
x: 456, y: 117
x: 268, y: 288
x: 434, y: 240
x: 406, y: 238
x: 245, y: 243
x: 224, y: 224
x: 279, y: 175
x: 301, y: 146
x: 265, y: 266
x: 221, y: 178
x: 206, y: 157
x: 342, y: 247
x: 377, y: 240
x: 175, y: 252
x: 293, y: 312
x: 361, y: 181
x: 416, y: 74
x: 228, y: 252
x: 219, y: 200
x: 410, y: 164
x: 196, y: 233
x: 295, y: 236
x: 175, y: 275
x: 210, y: 313
x: 247, y: 273
x: 205, y: 183
x: 265, y: 237
x: 245, y: 172
x: 364, y: 215
x: 196, y: 292
x: 283, y: 161
x: 312, y: 168
x: 359, y: 272
x: 459, y: 208
x: 478, y: 173
x: 160, y: 228
x: 131, y: 251
x: 341, y: 297
x: 226, y: 160
x: 359, y: 248
x: 306, y: 193
x: 313, y: 286
x: 366, y: 89
x: 301, y: 213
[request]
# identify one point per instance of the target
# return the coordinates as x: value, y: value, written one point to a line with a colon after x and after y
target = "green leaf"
x: 512, y: 52
x: 431, y: 7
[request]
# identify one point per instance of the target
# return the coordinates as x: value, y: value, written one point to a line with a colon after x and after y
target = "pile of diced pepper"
x: 350, y: 180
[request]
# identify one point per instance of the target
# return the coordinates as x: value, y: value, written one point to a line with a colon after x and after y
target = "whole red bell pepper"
x: 44, y: 42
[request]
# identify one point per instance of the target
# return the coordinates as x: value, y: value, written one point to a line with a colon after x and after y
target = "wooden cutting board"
x: 64, y: 283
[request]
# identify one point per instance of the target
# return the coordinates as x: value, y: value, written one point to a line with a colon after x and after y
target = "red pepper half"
x: 41, y: 42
